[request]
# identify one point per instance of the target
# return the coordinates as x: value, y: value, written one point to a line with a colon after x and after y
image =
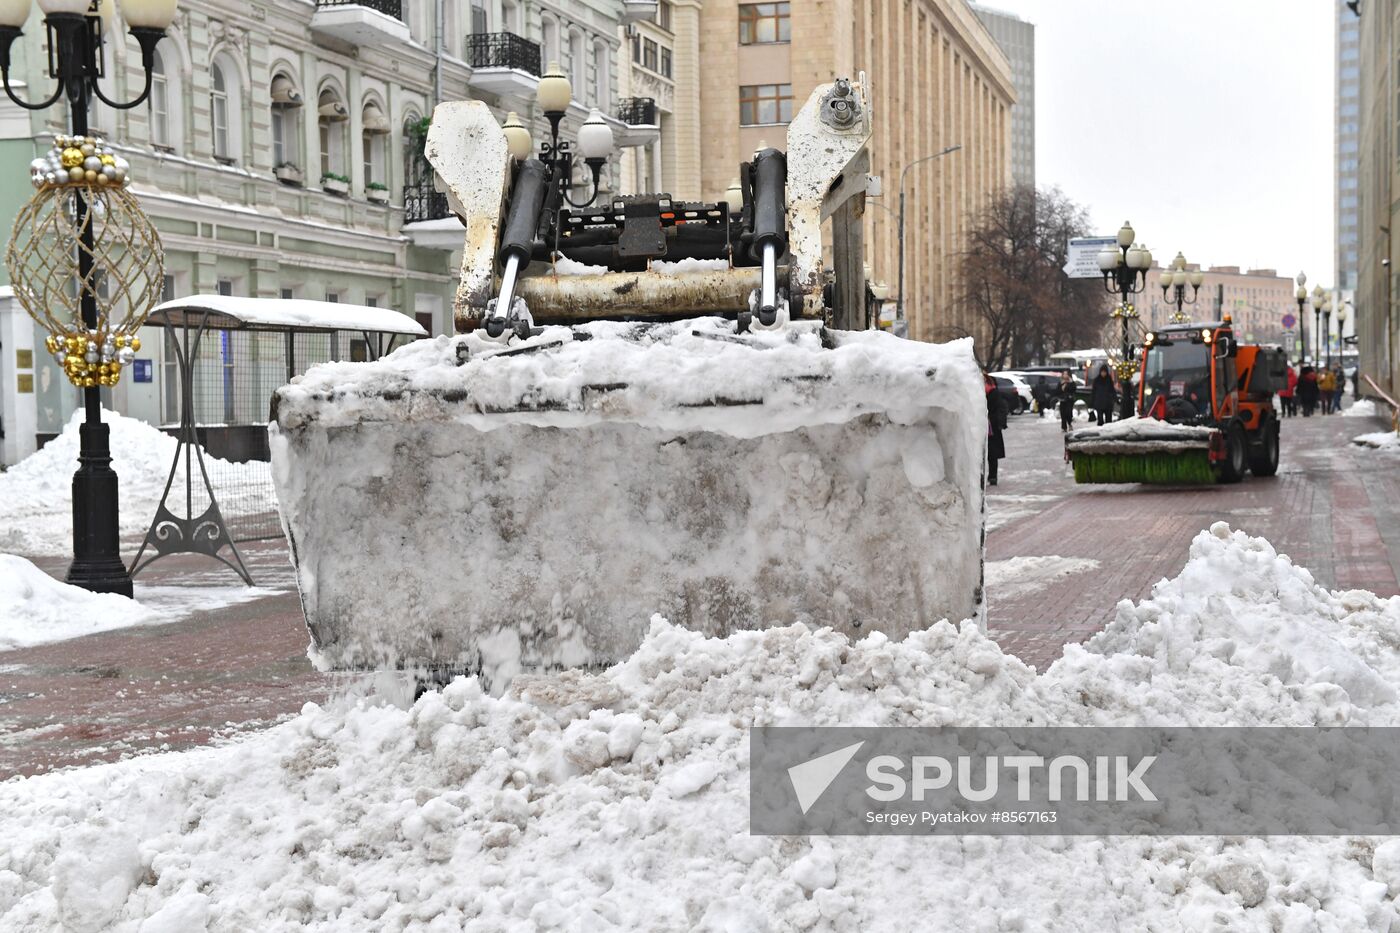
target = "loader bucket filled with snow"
x: 727, y: 450
x: 460, y: 506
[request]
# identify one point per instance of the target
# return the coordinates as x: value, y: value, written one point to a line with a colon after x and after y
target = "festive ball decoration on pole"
x: 47, y: 257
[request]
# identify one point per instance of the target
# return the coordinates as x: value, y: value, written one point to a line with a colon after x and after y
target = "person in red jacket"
x: 1287, y: 396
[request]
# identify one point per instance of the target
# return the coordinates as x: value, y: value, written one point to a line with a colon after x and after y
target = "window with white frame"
x: 549, y: 30
x: 577, y: 63
x: 600, y: 75
x: 331, y: 120
x: 158, y: 104
x: 219, y: 111
x: 375, y: 130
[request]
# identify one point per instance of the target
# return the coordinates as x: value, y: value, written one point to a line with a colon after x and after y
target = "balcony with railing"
x: 421, y: 202
x: 361, y: 22
x: 637, y: 111
x: 503, y: 63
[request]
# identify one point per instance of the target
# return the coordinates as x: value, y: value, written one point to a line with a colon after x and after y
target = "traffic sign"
x: 1084, y: 256
x: 1289, y: 320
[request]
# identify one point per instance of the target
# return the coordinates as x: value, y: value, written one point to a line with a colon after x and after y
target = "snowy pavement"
x: 618, y: 800
x: 1334, y: 507
x: 1060, y: 558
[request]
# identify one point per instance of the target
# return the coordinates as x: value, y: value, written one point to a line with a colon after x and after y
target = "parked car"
x: 1015, y: 392
x: 1037, y: 377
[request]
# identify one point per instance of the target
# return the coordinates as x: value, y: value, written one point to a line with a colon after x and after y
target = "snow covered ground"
x: 1017, y: 576
x: 619, y: 799
x: 36, y: 609
x: 1387, y: 441
x: 1361, y: 408
x: 36, y: 511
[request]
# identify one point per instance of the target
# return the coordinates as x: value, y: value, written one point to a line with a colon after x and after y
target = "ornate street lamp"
x: 1341, y: 330
x: 555, y: 168
x: 1327, y: 330
x: 75, y: 31
x: 1302, y: 296
x: 1125, y: 275
x: 1177, y: 276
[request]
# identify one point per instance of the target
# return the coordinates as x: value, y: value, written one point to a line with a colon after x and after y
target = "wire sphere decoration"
x: 73, y: 237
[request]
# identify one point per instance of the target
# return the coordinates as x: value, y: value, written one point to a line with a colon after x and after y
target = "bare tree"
x: 1017, y: 302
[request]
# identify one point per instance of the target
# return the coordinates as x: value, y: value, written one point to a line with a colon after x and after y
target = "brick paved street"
x: 1334, y: 508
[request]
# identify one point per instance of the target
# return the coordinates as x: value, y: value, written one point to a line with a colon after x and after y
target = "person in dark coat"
x: 996, y: 423
x: 1041, y: 393
x: 1307, y: 390
x: 1102, y: 397
x: 1066, y: 394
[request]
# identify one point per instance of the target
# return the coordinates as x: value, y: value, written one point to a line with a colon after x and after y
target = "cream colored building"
x: 1257, y: 299
x: 936, y: 79
x: 1378, y: 265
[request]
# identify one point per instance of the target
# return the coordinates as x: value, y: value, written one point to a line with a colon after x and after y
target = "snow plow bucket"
x: 1142, y: 450
x: 463, y: 507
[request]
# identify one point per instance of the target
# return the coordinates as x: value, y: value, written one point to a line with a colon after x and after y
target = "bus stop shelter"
x: 230, y: 354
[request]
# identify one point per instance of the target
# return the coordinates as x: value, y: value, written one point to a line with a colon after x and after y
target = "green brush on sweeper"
x: 1171, y: 468
x: 1142, y: 450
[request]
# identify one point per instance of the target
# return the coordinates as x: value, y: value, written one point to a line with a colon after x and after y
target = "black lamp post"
x: 1302, y: 295
x: 1319, y: 301
x: 75, y: 38
x: 1178, y: 277
x: 1125, y: 275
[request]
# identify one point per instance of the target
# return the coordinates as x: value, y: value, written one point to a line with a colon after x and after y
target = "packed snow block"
x: 461, y: 505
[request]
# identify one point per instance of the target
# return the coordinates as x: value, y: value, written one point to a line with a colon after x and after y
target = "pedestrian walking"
x: 1326, y: 386
x: 1102, y: 396
x: 1287, y: 396
x: 996, y: 423
x: 1339, y: 388
x: 1041, y: 393
x: 1307, y: 390
x: 1066, y: 394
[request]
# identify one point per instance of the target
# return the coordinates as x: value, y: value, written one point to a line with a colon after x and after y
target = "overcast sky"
x: 1207, y: 123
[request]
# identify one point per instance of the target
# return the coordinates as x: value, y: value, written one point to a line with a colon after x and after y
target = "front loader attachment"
x: 462, y: 506
x: 1142, y: 450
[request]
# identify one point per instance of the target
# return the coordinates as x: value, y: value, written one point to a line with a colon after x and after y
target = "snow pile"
x: 1137, y: 435
x: 1388, y: 441
x: 36, y: 609
x: 36, y: 494
x: 1361, y: 408
x: 563, y: 265
x: 619, y: 800
x: 685, y: 266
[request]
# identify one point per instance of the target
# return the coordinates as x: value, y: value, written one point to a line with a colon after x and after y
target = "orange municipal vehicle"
x: 1206, y: 413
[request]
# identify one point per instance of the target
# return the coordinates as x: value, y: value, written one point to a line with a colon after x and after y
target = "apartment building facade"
x: 936, y: 78
x: 280, y: 151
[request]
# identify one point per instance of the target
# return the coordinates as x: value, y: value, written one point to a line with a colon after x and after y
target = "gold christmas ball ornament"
x: 80, y: 160
x: 46, y: 259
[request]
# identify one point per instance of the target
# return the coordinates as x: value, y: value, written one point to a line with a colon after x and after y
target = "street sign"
x: 1288, y: 321
x: 141, y: 370
x: 1290, y: 341
x: 1084, y: 256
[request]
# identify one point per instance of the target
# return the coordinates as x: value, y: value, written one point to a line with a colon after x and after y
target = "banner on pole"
x: 1084, y: 256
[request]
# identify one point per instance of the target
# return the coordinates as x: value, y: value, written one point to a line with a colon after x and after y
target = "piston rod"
x: 768, y: 288
x: 496, y: 323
